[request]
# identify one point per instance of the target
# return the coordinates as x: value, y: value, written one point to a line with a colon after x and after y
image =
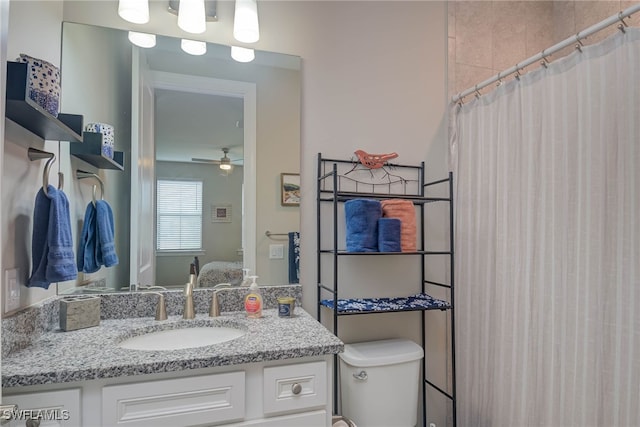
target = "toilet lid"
x: 381, y: 353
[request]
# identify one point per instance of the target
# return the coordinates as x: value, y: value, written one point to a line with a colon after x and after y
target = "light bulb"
x: 193, y: 47
x: 136, y: 11
x: 191, y: 16
x: 142, y: 39
x: 225, y: 166
x: 242, y: 54
x: 245, y: 22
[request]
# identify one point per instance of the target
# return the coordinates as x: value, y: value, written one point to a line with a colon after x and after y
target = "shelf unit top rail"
x: 391, y: 180
x: 342, y: 196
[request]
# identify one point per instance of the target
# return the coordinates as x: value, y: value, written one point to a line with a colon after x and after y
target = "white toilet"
x: 379, y: 382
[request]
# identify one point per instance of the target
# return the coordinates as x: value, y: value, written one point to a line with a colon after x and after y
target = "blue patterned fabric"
x: 294, y: 257
x: 410, y: 303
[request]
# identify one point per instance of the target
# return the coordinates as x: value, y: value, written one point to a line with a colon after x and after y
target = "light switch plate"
x: 276, y: 251
x: 11, y: 290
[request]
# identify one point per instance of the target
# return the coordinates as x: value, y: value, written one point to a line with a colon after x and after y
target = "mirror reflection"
x: 178, y: 118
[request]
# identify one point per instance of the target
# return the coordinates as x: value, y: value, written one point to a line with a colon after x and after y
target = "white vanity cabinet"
x: 284, y: 393
x: 50, y: 408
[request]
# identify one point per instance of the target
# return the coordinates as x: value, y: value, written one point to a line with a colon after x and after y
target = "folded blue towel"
x: 389, y: 235
x: 52, y: 241
x: 105, y: 233
x: 362, y: 217
x: 294, y: 257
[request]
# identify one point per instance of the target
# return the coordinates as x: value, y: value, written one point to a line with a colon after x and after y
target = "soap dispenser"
x: 253, y: 300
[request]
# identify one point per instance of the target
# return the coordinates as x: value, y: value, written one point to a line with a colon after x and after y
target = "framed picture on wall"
x: 220, y: 213
x: 290, y: 189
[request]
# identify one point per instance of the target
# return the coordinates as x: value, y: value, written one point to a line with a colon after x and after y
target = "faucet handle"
x: 161, y: 309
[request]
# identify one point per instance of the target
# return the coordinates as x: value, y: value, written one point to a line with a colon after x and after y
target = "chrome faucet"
x: 214, y: 310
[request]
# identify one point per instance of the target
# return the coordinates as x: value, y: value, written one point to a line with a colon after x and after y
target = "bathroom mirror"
x: 195, y: 116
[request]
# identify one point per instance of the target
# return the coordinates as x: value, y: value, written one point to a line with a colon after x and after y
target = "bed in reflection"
x: 215, y: 272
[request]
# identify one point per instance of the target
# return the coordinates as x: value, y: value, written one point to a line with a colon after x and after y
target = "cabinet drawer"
x: 295, y: 387
x: 205, y: 399
x: 51, y: 408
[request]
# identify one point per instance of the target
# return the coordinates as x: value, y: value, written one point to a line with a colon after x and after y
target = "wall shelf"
x: 91, y: 152
x: 25, y: 112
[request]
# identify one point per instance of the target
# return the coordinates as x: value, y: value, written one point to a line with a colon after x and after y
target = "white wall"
x: 37, y: 34
x: 373, y: 77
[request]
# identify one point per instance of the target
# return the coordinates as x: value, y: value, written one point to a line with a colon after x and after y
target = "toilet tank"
x: 379, y: 382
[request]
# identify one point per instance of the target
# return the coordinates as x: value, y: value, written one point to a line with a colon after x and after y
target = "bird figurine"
x: 374, y: 161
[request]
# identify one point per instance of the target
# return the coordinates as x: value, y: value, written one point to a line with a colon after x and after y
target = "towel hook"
x: 35, y: 154
x: 80, y: 174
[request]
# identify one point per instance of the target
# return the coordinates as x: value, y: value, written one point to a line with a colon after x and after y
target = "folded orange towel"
x: 406, y: 213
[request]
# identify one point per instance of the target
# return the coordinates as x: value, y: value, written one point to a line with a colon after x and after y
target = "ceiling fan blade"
x: 201, y: 160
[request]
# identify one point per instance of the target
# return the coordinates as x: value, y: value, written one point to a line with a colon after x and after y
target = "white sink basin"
x: 181, y: 338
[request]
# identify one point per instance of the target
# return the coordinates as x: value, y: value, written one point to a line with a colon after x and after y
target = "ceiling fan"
x: 225, y: 163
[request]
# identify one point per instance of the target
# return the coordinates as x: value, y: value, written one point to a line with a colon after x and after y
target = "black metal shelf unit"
x: 394, y: 181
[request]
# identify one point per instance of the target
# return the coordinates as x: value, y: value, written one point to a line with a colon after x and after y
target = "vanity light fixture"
x: 242, y: 54
x: 142, y: 39
x: 192, y: 17
x: 193, y: 47
x: 245, y: 21
x: 135, y: 11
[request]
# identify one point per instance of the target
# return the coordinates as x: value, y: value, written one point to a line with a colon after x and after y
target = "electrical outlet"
x: 276, y: 251
x: 11, y: 290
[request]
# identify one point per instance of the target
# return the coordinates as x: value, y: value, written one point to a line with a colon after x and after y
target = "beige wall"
x: 486, y: 37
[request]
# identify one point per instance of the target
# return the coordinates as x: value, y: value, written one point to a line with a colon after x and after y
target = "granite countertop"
x: 93, y: 353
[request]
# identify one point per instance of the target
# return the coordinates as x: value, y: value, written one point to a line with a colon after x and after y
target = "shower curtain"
x: 547, y: 235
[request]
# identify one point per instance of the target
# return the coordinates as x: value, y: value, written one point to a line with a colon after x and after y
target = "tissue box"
x: 79, y: 312
x: 44, y: 83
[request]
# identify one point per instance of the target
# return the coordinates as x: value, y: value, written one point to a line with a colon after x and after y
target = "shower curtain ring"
x: 579, y: 44
x: 544, y: 61
x: 517, y: 73
x: 478, y: 94
x: 623, y: 24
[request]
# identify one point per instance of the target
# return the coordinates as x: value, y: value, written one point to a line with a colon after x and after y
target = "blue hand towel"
x: 52, y: 242
x: 389, y: 235
x: 87, y: 260
x: 294, y: 257
x: 105, y: 234
x: 39, y: 246
x: 362, y: 224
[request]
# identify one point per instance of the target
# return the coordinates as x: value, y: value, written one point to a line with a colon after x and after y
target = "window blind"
x: 179, y: 215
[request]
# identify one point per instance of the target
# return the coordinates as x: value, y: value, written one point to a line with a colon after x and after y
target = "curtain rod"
x: 542, y: 56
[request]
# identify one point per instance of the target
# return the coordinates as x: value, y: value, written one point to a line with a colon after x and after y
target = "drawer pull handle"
x: 361, y: 376
x: 296, y: 388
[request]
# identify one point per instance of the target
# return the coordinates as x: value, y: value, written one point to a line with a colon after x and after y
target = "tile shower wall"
x: 486, y: 37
